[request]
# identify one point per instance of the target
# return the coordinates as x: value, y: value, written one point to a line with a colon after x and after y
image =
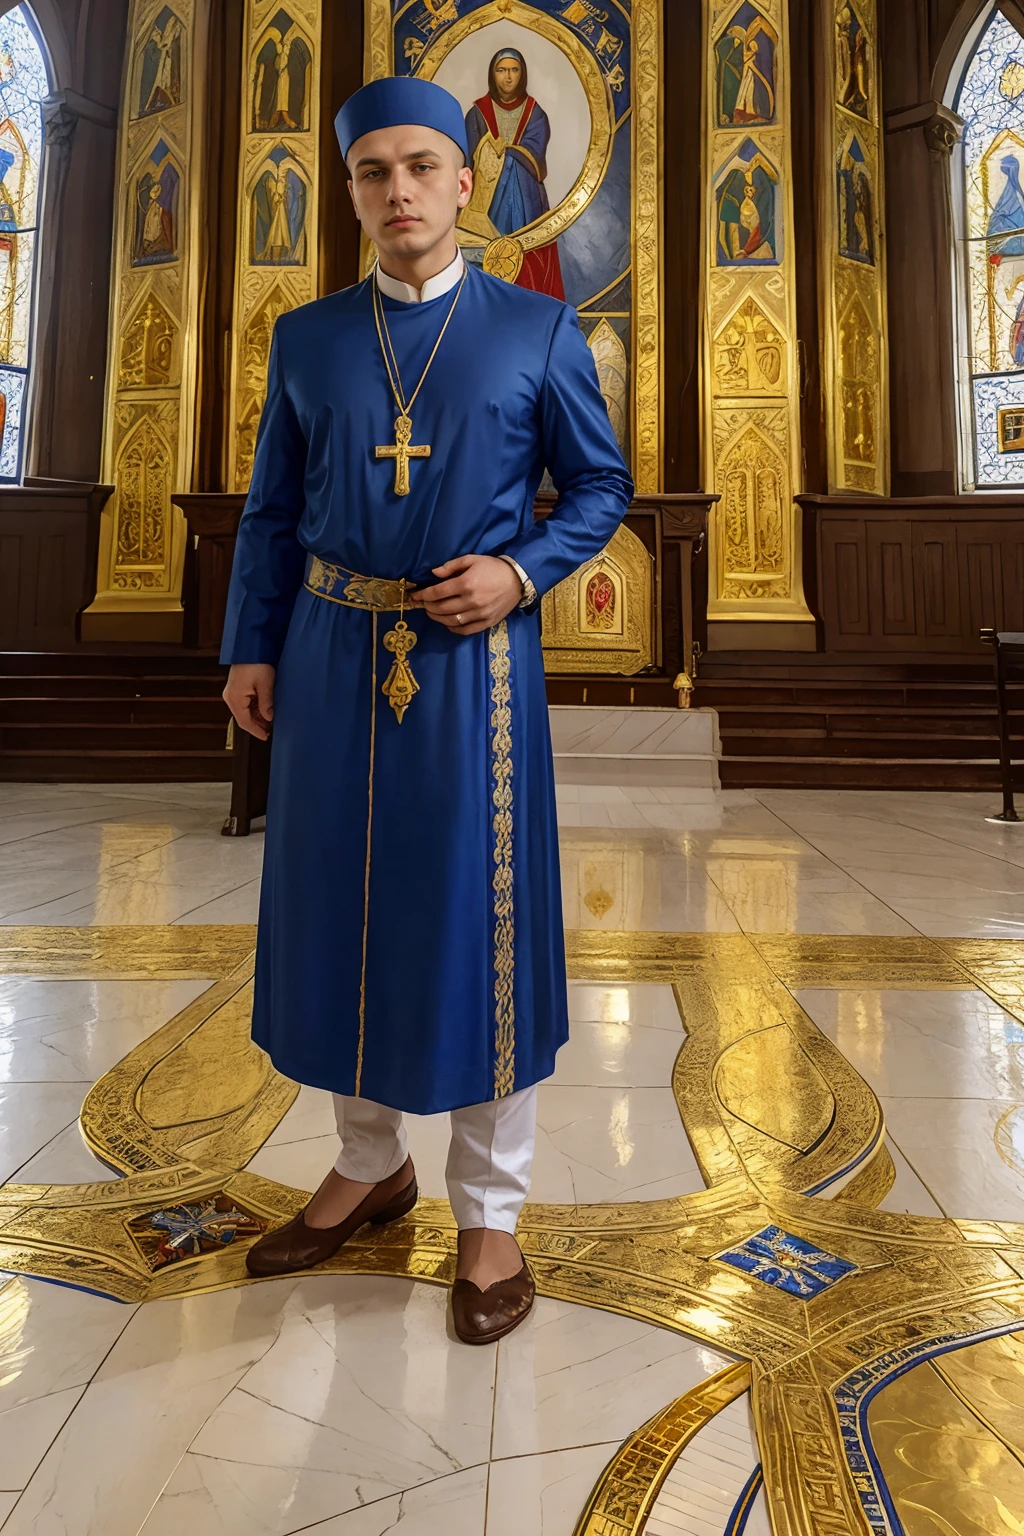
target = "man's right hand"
x: 249, y: 694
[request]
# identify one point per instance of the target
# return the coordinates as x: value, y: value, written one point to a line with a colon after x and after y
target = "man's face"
x: 407, y: 184
x: 507, y: 76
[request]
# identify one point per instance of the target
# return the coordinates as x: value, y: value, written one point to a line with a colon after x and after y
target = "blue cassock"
x: 410, y: 943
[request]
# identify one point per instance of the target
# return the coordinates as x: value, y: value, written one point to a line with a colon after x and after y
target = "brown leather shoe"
x: 483, y: 1317
x: 297, y: 1246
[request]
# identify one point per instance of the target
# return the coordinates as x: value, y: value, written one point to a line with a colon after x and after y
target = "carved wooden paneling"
x: 918, y: 575
x: 48, y: 543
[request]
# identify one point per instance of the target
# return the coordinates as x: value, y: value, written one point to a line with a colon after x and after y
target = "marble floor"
x: 341, y: 1404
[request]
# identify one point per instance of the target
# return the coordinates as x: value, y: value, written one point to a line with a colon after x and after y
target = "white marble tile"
x: 779, y: 891
x: 74, y: 1031
x: 597, y: 1145
x: 300, y: 1164
x: 619, y: 881
x: 645, y: 1005
x: 572, y: 1376
x: 544, y: 1495
x: 361, y: 1396
x: 127, y: 898
x: 312, y: 1114
x: 26, y: 1434
x: 52, y: 1340
x: 31, y: 1115
x: 7, y: 1503
x: 708, y: 1478
x: 173, y: 1365
x: 908, y: 1196
x: 939, y: 886
x: 958, y: 818
x: 52, y: 1337
x: 66, y: 1159
x: 918, y: 1044
x: 241, y: 906
x: 951, y: 1145
x: 616, y: 1054
x: 200, y: 1495
x: 982, y: 916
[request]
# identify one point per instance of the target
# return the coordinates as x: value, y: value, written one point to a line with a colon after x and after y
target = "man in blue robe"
x: 383, y: 613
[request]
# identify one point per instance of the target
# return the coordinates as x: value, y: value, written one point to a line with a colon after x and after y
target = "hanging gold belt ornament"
x: 403, y: 449
x: 375, y: 595
x: 400, y: 685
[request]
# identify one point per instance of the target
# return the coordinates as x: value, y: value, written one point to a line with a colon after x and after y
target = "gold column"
x: 151, y: 378
x: 853, y: 254
x: 751, y: 426
x: 278, y: 210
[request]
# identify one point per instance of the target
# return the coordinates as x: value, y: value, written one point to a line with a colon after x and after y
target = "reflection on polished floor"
x: 777, y: 1218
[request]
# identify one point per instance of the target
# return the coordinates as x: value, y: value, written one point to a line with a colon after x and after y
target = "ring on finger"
x: 459, y: 619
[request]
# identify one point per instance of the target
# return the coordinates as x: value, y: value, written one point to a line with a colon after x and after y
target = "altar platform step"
x: 637, y: 746
x: 99, y: 715
x: 827, y: 722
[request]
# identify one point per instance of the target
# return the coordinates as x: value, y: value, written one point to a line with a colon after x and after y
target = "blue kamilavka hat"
x: 393, y: 102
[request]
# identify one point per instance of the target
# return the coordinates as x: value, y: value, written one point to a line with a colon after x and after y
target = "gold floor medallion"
x: 504, y: 258
x: 883, y: 1352
x: 400, y: 685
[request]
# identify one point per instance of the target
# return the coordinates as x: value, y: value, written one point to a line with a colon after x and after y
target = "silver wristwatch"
x: 529, y: 596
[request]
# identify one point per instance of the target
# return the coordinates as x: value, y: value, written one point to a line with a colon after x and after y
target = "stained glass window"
x: 991, y: 219
x: 24, y: 82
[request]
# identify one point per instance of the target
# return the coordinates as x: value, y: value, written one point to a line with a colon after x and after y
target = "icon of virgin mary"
x: 508, y: 135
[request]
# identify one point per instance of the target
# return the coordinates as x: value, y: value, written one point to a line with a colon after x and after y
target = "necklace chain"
x: 391, y: 357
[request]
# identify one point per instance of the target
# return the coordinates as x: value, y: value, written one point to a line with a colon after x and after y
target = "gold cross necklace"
x: 403, y: 450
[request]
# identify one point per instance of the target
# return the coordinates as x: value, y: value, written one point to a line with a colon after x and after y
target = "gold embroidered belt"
x: 375, y: 595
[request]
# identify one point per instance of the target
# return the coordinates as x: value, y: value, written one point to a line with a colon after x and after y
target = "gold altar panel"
x: 277, y: 248
x: 601, y: 619
x: 150, y: 400
x: 750, y: 376
x: 853, y: 254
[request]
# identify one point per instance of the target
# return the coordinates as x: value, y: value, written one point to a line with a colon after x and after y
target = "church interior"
x: 777, y: 1212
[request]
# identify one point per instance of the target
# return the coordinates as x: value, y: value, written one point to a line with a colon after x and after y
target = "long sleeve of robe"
x: 410, y: 945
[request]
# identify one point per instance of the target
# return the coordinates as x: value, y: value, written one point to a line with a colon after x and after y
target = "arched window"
x: 988, y: 196
x: 24, y: 82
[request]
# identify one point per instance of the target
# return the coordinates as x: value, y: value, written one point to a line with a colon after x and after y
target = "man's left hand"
x: 474, y: 593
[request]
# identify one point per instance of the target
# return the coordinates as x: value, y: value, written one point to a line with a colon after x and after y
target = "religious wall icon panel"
x: 854, y: 85
x: 162, y: 71
x: 562, y: 111
x: 278, y: 249
x: 278, y: 212
x: 157, y: 210
x: 852, y: 260
x: 746, y: 84
x: 283, y: 82
x: 150, y: 404
x: 748, y: 205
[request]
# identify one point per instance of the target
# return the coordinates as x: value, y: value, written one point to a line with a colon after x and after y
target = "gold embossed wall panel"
x: 277, y: 254
x: 151, y: 380
x: 853, y: 274
x: 751, y: 382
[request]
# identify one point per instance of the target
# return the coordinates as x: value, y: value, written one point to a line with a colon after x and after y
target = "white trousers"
x: 489, y: 1158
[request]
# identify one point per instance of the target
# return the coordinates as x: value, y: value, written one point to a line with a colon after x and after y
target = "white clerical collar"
x: 433, y: 288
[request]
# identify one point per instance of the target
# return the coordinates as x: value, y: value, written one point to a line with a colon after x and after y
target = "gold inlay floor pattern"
x: 884, y: 1353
